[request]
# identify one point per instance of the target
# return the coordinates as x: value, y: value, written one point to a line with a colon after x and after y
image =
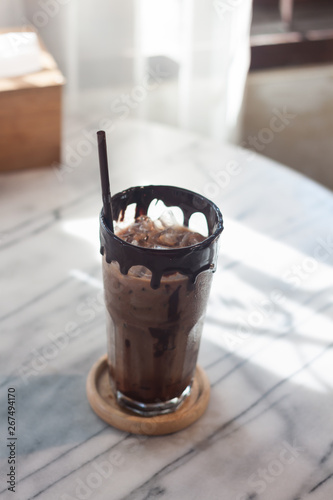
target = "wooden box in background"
x: 30, y: 116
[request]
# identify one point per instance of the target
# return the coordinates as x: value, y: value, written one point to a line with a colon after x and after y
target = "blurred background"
x: 226, y: 69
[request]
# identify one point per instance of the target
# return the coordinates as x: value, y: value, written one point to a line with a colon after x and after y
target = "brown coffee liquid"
x: 153, y: 335
x: 156, y: 284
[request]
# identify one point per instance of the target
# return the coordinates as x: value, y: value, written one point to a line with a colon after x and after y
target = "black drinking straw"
x: 104, y: 171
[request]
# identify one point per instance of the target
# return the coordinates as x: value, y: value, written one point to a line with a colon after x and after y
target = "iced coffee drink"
x: 157, y: 276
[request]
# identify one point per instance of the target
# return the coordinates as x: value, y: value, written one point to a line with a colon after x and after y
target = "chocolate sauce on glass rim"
x: 190, y: 261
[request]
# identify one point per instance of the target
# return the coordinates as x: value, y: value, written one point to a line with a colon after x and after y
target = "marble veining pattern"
x: 267, y: 345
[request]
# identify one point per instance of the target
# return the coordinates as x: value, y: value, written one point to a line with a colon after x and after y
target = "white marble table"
x: 267, y: 343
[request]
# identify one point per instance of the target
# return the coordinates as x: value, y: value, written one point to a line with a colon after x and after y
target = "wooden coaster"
x: 103, y: 402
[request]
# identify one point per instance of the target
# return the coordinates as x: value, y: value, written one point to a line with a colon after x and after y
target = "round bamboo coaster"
x: 104, y: 404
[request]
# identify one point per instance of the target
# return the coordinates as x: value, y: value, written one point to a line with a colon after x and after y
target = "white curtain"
x: 179, y: 62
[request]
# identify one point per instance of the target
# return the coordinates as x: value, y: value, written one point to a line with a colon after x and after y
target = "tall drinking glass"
x: 155, y: 303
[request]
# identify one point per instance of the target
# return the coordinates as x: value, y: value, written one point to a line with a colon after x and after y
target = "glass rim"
x: 202, y: 244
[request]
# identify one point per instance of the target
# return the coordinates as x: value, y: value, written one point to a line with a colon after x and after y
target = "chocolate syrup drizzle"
x: 190, y: 260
